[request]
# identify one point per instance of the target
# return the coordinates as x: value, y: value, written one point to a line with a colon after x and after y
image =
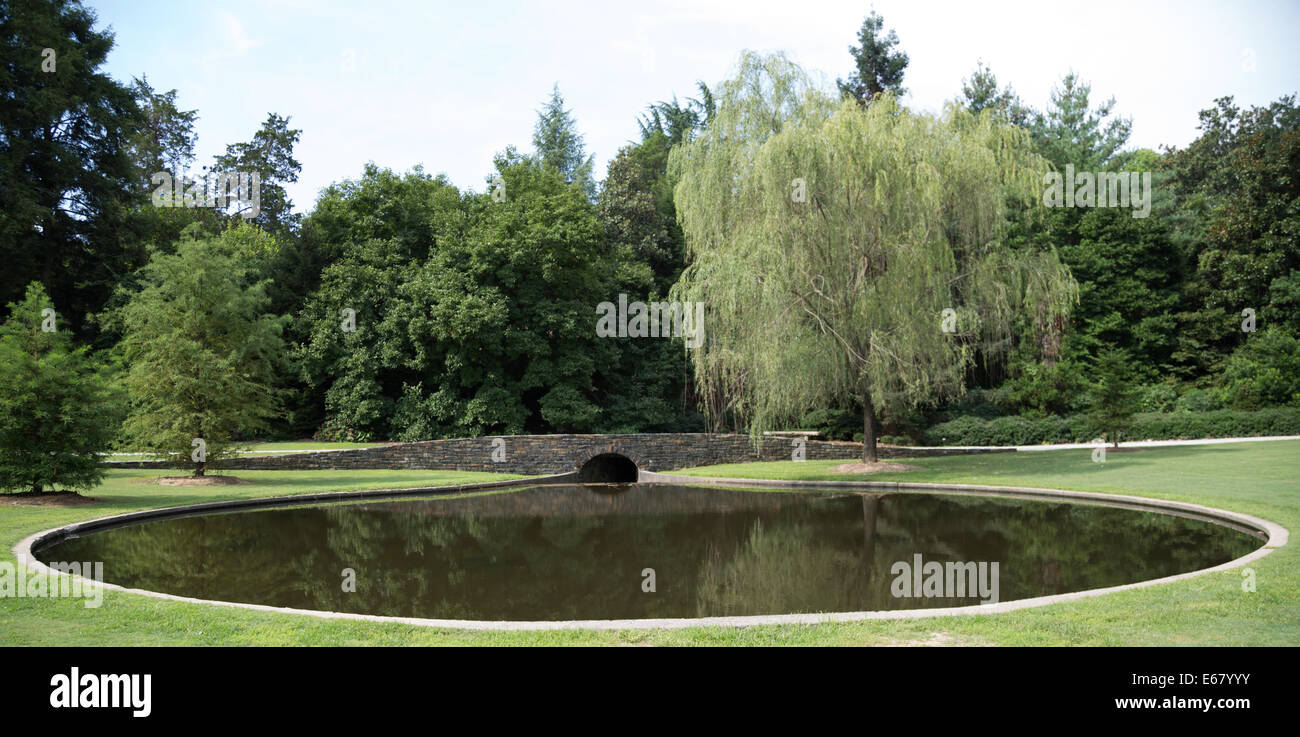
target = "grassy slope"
x: 1255, y: 478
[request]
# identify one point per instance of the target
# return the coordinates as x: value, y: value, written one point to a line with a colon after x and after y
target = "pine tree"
x: 981, y: 92
x: 879, y: 67
x: 559, y: 145
x: 1114, y: 396
x: 53, y: 419
x: 67, y: 179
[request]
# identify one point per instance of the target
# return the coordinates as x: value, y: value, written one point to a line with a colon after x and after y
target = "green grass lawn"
x: 1262, y: 479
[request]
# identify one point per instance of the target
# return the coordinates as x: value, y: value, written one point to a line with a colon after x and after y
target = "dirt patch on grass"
x: 877, y: 467
x: 47, y: 499
x: 193, y: 481
x: 939, y: 639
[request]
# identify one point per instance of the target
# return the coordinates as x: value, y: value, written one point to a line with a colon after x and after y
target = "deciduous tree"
x: 828, y: 241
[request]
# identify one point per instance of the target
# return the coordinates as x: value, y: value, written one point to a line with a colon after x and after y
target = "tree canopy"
x: 828, y: 240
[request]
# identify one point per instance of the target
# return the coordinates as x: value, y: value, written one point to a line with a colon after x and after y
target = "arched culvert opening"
x: 608, y: 468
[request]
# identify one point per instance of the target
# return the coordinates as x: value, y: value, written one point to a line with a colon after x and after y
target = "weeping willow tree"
x: 852, y: 255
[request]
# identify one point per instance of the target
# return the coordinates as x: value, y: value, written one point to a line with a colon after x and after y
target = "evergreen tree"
x: 1115, y: 395
x: 166, y: 139
x: 559, y: 146
x: 270, y: 154
x: 676, y: 121
x: 981, y: 92
x: 53, y: 419
x: 66, y: 176
x: 878, y: 67
x: 1072, y: 131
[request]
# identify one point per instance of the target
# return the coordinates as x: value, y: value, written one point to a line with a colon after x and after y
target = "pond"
x: 633, y: 551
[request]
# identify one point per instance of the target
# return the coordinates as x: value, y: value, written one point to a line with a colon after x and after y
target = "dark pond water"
x: 582, y: 552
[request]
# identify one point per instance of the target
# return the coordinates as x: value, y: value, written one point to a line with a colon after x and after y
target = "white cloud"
x: 235, y: 35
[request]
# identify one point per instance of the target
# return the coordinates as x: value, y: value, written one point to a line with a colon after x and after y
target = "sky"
x: 449, y: 84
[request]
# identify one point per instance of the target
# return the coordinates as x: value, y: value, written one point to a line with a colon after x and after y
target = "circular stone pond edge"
x: 1276, y: 537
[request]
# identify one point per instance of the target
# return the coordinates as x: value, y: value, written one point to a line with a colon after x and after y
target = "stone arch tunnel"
x: 608, y: 468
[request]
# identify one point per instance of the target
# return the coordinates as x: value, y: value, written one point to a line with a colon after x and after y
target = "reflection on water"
x: 579, y: 552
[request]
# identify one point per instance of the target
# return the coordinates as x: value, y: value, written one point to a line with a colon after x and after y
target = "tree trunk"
x: 198, y: 468
x: 868, y: 429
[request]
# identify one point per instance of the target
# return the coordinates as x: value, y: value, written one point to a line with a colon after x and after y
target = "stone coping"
x: 1275, y: 537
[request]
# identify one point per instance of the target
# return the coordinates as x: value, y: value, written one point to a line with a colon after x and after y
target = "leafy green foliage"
x: 1072, y: 131
x: 1263, y: 372
x: 201, y: 350
x: 1145, y: 426
x: 678, y: 122
x: 833, y: 424
x: 165, y: 141
x: 837, y: 295
x: 54, y: 418
x: 1044, y: 389
x: 1243, y: 175
x: 488, y: 331
x: 1129, y: 276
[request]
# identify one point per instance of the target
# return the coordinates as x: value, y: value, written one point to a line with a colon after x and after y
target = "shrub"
x: 1263, y: 372
x: 1042, y: 390
x: 1197, y: 400
x: 833, y: 424
x: 984, y: 403
x: 334, y: 431
x: 961, y: 431
x: 1145, y: 426
x: 1157, y: 398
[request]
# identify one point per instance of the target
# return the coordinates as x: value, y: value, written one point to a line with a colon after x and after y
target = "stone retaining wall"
x: 544, y: 454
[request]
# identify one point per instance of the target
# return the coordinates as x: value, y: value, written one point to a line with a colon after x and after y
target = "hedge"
x: 1147, y: 426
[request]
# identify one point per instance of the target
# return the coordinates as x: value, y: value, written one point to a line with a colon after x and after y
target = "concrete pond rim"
x: 1274, y: 536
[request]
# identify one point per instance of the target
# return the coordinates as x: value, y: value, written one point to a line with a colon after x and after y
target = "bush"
x: 334, y: 431
x: 1157, y: 398
x: 1263, y: 372
x: 833, y: 424
x: 1146, y: 426
x: 983, y: 403
x: 1197, y: 400
x: 961, y: 431
x: 1041, y: 389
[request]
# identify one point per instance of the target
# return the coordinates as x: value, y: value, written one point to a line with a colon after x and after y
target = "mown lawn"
x: 1262, y: 479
